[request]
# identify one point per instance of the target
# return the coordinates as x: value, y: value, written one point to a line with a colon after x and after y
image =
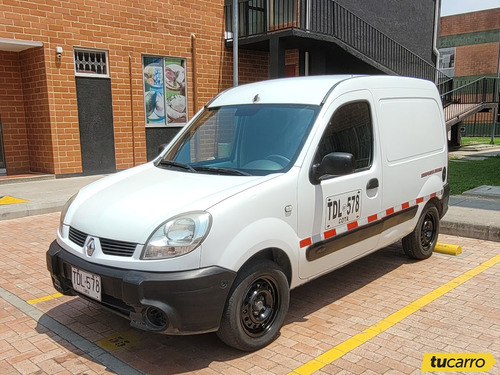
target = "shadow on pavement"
x: 160, y: 354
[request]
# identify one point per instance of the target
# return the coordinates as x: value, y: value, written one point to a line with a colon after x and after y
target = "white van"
x: 271, y: 185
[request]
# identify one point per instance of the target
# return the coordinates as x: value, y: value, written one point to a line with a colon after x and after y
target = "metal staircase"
x: 341, y: 26
x: 469, y: 99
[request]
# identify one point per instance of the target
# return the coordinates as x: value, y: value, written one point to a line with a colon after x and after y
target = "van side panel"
x: 410, y: 128
x: 414, y: 154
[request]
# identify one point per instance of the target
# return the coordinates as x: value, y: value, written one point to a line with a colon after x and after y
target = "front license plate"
x: 86, y: 283
x: 342, y: 209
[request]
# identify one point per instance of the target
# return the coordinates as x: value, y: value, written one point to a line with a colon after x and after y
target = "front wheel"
x: 420, y: 243
x: 256, y: 307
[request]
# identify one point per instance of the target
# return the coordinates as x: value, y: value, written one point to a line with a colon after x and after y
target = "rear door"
x: 336, y: 216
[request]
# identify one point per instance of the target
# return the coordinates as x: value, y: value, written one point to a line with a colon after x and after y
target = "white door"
x: 338, y: 216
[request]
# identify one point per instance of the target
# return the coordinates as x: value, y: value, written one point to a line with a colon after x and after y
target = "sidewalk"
x: 37, y: 195
x: 475, y: 216
x: 476, y: 213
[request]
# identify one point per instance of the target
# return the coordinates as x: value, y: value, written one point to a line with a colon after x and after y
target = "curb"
x: 462, y: 229
x: 30, y: 209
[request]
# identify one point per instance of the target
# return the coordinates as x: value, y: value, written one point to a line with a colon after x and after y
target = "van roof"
x: 305, y: 90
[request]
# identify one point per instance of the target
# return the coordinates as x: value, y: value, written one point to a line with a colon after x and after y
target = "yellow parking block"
x: 11, y: 200
x: 445, y: 248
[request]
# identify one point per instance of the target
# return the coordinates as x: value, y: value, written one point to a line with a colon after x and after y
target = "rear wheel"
x: 256, y: 307
x: 420, y: 243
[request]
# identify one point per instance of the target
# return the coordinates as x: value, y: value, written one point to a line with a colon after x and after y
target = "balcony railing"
x: 482, y: 90
x: 470, y: 98
x: 326, y: 17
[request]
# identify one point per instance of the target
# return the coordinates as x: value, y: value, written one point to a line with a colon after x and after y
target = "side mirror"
x: 333, y: 164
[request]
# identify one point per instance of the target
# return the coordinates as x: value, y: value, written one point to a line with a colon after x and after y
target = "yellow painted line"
x: 355, y: 341
x: 121, y: 340
x: 43, y: 299
x: 11, y: 200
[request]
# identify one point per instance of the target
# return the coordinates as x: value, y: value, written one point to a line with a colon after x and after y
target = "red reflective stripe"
x: 370, y: 219
x: 330, y: 233
x: 306, y: 242
x: 352, y: 225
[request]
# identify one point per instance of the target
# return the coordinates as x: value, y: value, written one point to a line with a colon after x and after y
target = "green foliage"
x: 466, y: 141
x: 468, y: 174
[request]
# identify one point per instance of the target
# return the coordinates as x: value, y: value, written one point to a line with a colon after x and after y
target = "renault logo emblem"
x: 90, y: 247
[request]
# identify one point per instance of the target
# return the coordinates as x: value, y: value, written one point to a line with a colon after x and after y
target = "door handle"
x: 372, y: 184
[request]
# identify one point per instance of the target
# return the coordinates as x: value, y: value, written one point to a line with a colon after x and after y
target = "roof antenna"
x: 256, y: 98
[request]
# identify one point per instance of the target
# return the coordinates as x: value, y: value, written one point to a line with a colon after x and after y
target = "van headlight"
x: 178, y: 236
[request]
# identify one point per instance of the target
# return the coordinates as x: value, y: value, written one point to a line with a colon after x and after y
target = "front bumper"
x: 184, y: 302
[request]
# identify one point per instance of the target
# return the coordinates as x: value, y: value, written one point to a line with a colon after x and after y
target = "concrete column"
x: 276, y: 57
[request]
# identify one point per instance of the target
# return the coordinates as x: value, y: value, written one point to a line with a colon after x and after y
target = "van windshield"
x: 256, y: 139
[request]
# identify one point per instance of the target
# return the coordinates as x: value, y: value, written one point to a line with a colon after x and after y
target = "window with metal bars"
x: 91, y: 62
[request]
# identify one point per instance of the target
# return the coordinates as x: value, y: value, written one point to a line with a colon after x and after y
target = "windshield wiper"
x: 218, y: 170
x: 170, y: 163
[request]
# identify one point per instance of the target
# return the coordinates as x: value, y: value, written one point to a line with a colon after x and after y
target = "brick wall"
x: 292, y: 60
x: 470, y: 22
x: 477, y: 59
x: 12, y: 113
x: 127, y: 30
x: 36, y: 100
x: 253, y: 66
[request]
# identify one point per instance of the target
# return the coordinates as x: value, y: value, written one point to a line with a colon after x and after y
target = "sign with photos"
x: 165, y: 101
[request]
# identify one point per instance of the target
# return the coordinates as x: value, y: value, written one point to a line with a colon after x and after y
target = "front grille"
x: 109, y: 247
x: 77, y: 237
x: 118, y: 248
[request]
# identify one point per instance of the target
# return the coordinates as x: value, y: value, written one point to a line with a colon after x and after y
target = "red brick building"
x: 96, y: 86
x: 473, y: 39
x: 469, y: 44
x: 40, y: 92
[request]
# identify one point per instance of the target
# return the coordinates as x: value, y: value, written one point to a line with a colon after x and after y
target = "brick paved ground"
x: 35, y: 339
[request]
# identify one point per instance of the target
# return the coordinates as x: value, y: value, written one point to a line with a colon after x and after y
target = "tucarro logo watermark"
x: 471, y: 362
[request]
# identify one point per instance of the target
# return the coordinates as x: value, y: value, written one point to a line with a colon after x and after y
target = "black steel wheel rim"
x: 260, y: 306
x: 428, y: 231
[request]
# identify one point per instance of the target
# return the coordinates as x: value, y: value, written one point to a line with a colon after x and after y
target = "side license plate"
x: 342, y: 209
x: 86, y: 283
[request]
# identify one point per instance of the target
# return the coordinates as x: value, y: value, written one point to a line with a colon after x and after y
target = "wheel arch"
x: 275, y: 255
x: 438, y: 203
x: 432, y: 187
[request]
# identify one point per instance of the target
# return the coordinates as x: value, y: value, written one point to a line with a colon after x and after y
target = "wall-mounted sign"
x: 165, y: 102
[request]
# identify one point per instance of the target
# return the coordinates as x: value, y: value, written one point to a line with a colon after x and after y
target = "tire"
x: 420, y: 243
x: 256, y: 307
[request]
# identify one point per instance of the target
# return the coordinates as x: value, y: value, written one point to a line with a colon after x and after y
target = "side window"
x: 349, y: 130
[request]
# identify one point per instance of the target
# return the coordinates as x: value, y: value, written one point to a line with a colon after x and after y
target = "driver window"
x: 349, y: 130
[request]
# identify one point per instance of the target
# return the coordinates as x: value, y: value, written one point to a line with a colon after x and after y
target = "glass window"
x: 252, y: 139
x: 447, y: 61
x: 349, y: 130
